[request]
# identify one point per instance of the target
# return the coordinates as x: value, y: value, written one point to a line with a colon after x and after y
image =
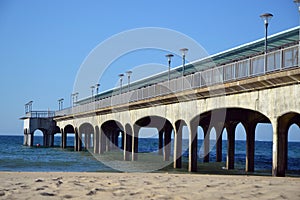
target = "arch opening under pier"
x: 165, y: 130
x: 229, y: 118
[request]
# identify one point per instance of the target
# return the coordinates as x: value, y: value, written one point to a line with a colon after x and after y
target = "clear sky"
x: 43, y: 43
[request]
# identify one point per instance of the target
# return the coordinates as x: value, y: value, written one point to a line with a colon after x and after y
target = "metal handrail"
x: 277, y: 60
x: 40, y: 114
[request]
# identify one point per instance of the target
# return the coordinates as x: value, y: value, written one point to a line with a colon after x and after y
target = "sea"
x: 18, y: 158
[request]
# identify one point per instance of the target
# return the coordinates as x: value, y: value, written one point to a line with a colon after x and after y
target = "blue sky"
x: 43, y: 43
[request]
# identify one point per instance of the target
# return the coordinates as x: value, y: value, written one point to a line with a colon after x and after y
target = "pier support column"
x: 280, y: 142
x: 135, y: 143
x: 64, y: 139
x: 230, y: 145
x: 167, y: 142
x: 102, y: 141
x: 160, y: 142
x: 178, y: 145
x: 88, y: 140
x: 122, y: 140
x: 76, y: 140
x: 250, y: 146
x: 30, y: 139
x: 206, y: 142
x: 193, y: 142
x: 79, y: 141
x: 25, y: 141
x: 51, y: 137
x: 116, y: 137
x: 219, y: 131
x: 107, y: 142
x: 96, y: 139
x: 127, y: 142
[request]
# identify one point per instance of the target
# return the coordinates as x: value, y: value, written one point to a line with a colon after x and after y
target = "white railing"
x: 40, y: 114
x: 277, y: 60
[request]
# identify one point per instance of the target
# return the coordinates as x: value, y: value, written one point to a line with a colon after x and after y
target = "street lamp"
x: 183, y: 52
x: 121, y: 80
x: 128, y: 73
x: 97, y: 88
x: 92, y: 87
x: 60, y: 104
x: 266, y: 17
x: 169, y: 56
x: 74, y: 97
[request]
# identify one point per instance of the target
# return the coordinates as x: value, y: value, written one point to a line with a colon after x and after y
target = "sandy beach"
x: 70, y: 185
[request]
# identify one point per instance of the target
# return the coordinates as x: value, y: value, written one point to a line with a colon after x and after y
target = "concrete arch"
x: 164, y: 127
x: 227, y: 117
x: 87, y: 130
x: 111, y: 130
x: 69, y: 129
x: 64, y: 134
x: 281, y: 138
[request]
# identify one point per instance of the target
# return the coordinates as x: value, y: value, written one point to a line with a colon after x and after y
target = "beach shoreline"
x: 96, y: 185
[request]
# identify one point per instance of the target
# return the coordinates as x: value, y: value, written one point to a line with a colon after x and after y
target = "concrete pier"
x: 234, y: 89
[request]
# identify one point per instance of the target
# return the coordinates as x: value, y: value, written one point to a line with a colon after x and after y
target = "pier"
x: 241, y: 87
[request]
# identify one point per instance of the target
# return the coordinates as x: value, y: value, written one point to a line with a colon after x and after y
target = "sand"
x: 70, y: 185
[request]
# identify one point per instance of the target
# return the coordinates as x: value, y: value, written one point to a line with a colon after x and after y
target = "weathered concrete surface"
x: 255, y: 100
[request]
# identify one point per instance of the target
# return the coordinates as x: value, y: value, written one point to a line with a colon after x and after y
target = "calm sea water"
x: 16, y: 157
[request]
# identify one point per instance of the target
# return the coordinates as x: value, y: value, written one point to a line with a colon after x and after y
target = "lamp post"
x: 30, y: 106
x: 76, y: 97
x: 121, y: 81
x: 60, y: 104
x: 266, y: 18
x: 92, y: 87
x: 183, y: 52
x: 97, y: 88
x: 128, y: 73
x: 169, y: 56
x: 297, y: 2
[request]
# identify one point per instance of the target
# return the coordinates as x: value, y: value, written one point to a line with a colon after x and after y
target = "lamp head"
x: 184, y: 51
x: 169, y: 56
x: 129, y: 73
x: 266, y: 17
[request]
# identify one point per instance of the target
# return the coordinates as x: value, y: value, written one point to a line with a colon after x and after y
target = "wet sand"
x: 75, y: 185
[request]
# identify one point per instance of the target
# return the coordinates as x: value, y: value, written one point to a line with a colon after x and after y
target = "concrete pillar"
x: 219, y: 131
x: 64, y: 139
x: 79, y: 141
x: 52, y: 140
x: 206, y: 142
x: 122, y: 140
x: 160, y: 142
x: 76, y: 140
x: 45, y: 138
x: 96, y: 142
x: 178, y: 146
x: 88, y: 140
x: 250, y: 146
x: 135, y: 143
x: 107, y: 142
x: 230, y: 145
x: 127, y: 142
x: 193, y: 142
x: 280, y: 142
x: 167, y: 142
x: 102, y: 141
x: 25, y: 141
x: 116, y: 138
x: 30, y: 139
